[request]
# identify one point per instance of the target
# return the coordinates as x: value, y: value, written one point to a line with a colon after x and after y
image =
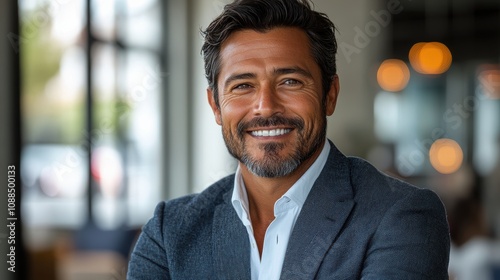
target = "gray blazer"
x: 356, y: 223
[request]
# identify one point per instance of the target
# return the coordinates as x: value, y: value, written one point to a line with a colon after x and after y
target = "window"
x: 91, y: 118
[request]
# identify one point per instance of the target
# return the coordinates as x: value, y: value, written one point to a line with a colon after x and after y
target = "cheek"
x: 234, y: 110
x: 230, y: 118
x: 308, y: 100
x: 306, y: 109
x: 312, y: 116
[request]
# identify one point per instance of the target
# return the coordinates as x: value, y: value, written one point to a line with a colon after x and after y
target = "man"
x: 296, y: 208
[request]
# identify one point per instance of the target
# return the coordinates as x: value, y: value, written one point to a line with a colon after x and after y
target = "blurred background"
x: 104, y: 114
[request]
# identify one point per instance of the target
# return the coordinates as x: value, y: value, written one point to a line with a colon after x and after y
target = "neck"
x: 264, y: 192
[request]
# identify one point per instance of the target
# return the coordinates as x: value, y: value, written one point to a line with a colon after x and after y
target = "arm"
x: 411, y: 242
x: 149, y: 258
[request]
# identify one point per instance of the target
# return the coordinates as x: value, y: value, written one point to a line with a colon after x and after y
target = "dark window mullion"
x: 89, y: 107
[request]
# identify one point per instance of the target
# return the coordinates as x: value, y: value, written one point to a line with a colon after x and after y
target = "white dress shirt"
x: 286, y: 211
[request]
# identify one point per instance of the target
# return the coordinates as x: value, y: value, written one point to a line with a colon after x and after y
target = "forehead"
x: 273, y: 35
x: 283, y: 45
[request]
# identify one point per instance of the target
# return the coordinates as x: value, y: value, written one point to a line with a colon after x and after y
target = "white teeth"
x: 272, y: 132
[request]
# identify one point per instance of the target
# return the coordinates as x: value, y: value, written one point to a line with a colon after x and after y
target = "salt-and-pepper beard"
x: 273, y: 165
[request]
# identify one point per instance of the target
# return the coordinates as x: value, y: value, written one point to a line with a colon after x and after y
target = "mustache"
x: 267, y: 122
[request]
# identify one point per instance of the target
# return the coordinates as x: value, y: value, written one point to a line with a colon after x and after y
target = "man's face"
x: 271, y: 101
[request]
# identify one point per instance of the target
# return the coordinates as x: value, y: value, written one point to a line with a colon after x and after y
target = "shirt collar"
x: 297, y: 193
x: 300, y: 190
x: 239, y: 198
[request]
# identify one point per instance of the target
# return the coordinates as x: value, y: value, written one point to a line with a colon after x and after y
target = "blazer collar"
x: 323, y: 215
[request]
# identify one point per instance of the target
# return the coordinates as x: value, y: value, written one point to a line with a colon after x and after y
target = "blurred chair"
x: 96, y: 254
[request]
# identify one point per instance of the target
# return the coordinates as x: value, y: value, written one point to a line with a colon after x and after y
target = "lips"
x: 270, y: 132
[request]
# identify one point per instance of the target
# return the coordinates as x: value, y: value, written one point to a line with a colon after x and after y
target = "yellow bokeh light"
x: 430, y: 58
x: 393, y: 75
x: 446, y: 156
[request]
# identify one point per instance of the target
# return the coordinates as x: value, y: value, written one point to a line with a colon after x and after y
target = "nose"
x: 268, y: 102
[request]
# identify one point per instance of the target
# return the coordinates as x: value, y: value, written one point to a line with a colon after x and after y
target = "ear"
x: 213, y: 105
x: 331, y: 98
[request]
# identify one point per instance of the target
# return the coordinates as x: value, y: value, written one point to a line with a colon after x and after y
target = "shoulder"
x: 190, y: 210
x: 201, y: 202
x: 373, y: 186
x: 355, y: 178
x: 407, y: 226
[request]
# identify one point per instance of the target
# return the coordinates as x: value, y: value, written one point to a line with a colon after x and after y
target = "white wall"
x: 351, y: 126
x: 211, y: 161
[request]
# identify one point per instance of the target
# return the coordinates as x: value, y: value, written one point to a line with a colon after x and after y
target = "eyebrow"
x: 236, y: 77
x: 293, y: 70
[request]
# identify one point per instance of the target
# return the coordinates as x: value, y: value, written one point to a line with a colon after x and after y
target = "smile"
x: 271, y: 132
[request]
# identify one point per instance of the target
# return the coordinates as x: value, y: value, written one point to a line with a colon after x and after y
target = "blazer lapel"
x: 230, y: 247
x: 322, y: 217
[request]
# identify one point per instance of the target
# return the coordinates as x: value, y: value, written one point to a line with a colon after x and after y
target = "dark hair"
x: 263, y: 15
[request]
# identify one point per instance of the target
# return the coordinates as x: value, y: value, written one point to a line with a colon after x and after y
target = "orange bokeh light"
x: 446, y: 156
x: 393, y: 75
x: 489, y: 78
x: 430, y: 58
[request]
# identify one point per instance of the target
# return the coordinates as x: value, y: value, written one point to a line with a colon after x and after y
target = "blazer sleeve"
x: 149, y: 259
x: 411, y: 242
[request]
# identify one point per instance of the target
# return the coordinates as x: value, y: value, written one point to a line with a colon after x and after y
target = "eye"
x: 242, y: 86
x: 291, y: 82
